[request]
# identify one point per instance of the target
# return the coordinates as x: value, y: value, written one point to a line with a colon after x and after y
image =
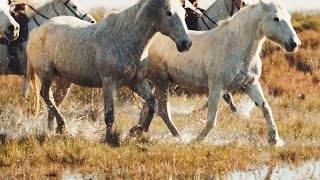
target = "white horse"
x: 38, y: 12
x: 222, y: 60
x: 217, y: 11
x: 9, y: 28
x: 106, y: 54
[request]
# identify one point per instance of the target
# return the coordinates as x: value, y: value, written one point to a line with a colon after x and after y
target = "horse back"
x: 62, y: 45
x: 188, y: 69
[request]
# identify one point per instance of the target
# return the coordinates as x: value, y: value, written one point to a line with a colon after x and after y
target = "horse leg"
x: 45, y: 94
x: 145, y: 109
x: 215, y: 96
x: 25, y: 87
x: 108, y: 87
x: 255, y: 92
x: 60, y: 93
x: 143, y: 89
x: 161, y: 93
x: 228, y: 98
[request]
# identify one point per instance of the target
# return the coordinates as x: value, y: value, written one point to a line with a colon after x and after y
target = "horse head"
x: 72, y: 8
x: 48, y: 9
x: 168, y: 18
x: 8, y: 26
x: 277, y: 27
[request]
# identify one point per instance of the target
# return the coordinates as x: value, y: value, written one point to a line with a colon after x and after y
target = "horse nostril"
x: 293, y: 44
x: 92, y: 21
x: 185, y: 43
x: 11, y: 28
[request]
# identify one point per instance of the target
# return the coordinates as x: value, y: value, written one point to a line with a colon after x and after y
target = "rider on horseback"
x: 191, y: 15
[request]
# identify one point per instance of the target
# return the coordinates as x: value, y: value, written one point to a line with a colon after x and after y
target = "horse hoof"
x: 60, y: 129
x: 277, y: 142
x: 113, y: 139
x: 198, y: 139
x: 136, y: 131
x: 142, y: 138
x: 233, y: 109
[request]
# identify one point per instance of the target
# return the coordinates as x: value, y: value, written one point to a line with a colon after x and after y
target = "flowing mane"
x: 129, y: 16
x: 122, y: 19
x: 223, y: 23
x: 273, y: 4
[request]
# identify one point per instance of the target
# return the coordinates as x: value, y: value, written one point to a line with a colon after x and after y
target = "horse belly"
x: 192, y: 80
x: 85, y: 75
x: 93, y: 81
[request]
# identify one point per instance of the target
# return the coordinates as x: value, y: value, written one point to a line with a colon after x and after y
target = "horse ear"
x: 263, y: 4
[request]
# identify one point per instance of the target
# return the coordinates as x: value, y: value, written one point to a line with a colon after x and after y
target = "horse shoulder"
x: 159, y: 46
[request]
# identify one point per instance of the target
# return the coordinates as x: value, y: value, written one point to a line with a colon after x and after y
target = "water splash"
x: 16, y: 125
x: 68, y: 175
x: 245, y: 108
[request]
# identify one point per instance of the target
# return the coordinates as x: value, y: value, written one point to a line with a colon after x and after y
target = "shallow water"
x: 306, y: 170
x: 14, y: 124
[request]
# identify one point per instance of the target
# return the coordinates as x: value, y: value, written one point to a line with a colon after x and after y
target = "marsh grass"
x: 237, y: 143
x: 134, y: 160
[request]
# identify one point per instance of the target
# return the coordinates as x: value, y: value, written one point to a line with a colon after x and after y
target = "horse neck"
x: 246, y: 26
x: 138, y: 32
x: 36, y: 16
x: 218, y: 11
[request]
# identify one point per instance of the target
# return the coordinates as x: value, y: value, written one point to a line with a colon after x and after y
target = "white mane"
x: 274, y: 4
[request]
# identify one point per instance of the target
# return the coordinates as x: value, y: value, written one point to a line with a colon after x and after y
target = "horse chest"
x: 121, y: 70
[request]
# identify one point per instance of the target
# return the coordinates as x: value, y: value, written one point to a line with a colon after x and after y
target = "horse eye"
x: 169, y: 13
x: 276, y: 19
x: 74, y: 7
x: 243, y: 4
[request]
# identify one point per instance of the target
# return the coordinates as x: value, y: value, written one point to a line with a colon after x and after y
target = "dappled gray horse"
x: 223, y: 60
x: 9, y: 28
x: 106, y: 54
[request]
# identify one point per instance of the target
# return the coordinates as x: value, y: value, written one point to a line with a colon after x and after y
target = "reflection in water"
x: 307, y: 170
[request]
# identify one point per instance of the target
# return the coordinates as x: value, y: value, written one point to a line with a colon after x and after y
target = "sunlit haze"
x: 292, y: 5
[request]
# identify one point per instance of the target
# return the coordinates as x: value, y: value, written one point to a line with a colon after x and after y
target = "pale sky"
x: 292, y: 5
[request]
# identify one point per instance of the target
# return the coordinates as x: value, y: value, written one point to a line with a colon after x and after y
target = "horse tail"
x: 34, y: 84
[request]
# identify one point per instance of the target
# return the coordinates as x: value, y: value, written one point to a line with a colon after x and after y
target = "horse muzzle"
x: 293, y: 45
x: 89, y: 18
x: 184, y: 45
x: 12, y: 31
